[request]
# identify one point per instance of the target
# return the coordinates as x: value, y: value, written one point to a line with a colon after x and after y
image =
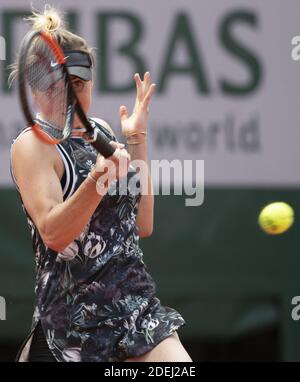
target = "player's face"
x: 52, y: 102
x: 83, y: 91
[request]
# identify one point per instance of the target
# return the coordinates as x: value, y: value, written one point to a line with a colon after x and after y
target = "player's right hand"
x: 114, y: 167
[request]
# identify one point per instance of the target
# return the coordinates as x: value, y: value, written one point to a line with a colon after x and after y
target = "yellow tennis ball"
x: 276, y: 218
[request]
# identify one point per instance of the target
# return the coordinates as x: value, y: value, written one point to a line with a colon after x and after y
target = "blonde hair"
x: 51, y: 21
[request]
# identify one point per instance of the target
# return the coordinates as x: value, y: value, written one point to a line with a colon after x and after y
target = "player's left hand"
x: 137, y: 122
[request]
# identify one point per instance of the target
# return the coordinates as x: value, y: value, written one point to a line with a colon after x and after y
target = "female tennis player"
x: 94, y: 299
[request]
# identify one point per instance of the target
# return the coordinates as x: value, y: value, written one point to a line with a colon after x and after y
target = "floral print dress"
x: 96, y: 300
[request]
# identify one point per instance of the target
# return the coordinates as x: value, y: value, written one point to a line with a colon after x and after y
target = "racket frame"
x: 91, y: 134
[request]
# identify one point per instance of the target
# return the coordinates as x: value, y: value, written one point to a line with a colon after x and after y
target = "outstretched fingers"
x: 148, y: 96
x: 139, y: 86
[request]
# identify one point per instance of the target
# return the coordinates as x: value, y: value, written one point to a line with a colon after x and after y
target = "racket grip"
x: 103, y: 146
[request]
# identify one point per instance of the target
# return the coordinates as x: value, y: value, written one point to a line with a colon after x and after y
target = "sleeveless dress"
x: 95, y: 300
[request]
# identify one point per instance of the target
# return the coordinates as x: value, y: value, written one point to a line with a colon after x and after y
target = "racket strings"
x: 47, y: 88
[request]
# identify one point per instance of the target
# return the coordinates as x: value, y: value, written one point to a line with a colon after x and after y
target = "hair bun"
x: 48, y: 21
x: 53, y: 22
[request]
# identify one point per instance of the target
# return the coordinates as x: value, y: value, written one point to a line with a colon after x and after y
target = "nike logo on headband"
x: 53, y: 64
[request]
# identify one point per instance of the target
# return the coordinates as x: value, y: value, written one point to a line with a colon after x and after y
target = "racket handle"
x: 102, y: 145
x: 93, y: 135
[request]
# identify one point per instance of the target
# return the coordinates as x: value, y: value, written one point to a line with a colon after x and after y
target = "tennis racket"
x: 45, y: 89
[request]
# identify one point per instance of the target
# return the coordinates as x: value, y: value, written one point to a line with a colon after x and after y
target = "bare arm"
x: 134, y: 128
x: 59, y: 222
x: 144, y: 219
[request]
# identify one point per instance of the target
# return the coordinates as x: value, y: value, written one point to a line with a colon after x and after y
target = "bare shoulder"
x: 28, y: 150
x: 29, y: 145
x: 104, y: 124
